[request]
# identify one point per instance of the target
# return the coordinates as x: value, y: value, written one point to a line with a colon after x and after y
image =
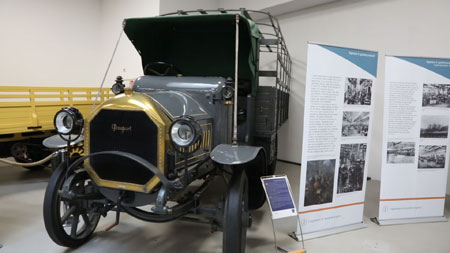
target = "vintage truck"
x: 198, y: 117
x: 26, y: 117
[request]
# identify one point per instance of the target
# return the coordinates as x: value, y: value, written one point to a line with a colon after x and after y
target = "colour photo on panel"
x: 358, y: 91
x: 434, y: 126
x: 355, y: 124
x: 436, y: 95
x: 432, y: 156
x: 401, y: 152
x: 319, y: 182
x: 351, y: 167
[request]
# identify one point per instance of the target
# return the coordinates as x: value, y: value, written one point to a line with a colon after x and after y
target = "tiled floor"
x: 22, y: 227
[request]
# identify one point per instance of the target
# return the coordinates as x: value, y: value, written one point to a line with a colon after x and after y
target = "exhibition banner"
x: 339, y: 103
x: 415, y: 139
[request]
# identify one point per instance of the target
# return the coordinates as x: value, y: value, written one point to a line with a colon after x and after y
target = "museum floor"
x: 22, y: 228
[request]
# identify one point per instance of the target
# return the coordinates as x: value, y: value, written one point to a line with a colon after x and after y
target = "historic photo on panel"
x: 351, y: 167
x: 436, y: 95
x: 401, y: 152
x: 358, y: 91
x: 319, y: 182
x: 355, y: 124
x: 432, y: 156
x: 434, y: 126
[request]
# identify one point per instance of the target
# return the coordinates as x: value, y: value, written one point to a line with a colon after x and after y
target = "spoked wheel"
x: 69, y: 221
x: 236, y: 215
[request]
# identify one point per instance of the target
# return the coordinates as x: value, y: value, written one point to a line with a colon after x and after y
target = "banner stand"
x: 416, y: 140
x: 328, y: 232
x: 338, y: 114
x: 408, y: 221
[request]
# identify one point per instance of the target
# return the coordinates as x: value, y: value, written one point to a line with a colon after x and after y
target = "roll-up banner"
x: 415, y: 140
x: 339, y: 104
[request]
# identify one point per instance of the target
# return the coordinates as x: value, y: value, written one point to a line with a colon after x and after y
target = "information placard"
x: 279, y: 195
x: 339, y: 104
x: 415, y: 139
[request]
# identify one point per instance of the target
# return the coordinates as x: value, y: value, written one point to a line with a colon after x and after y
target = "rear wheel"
x: 69, y: 221
x: 236, y: 216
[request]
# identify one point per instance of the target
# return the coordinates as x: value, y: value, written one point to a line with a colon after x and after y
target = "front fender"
x: 56, y: 142
x: 234, y: 155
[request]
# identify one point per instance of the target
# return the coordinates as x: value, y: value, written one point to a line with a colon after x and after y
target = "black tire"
x: 55, y: 223
x: 236, y: 215
x: 255, y: 170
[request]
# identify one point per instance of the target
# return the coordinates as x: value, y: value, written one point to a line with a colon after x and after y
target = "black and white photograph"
x: 319, y: 182
x: 358, y: 91
x: 436, y: 95
x: 432, y: 156
x: 434, y: 126
x: 355, y: 124
x: 351, y: 167
x: 401, y: 152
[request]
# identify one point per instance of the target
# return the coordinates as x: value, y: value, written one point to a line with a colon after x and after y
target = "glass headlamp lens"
x: 185, y: 132
x: 64, y: 122
x: 182, y: 134
x: 69, y: 121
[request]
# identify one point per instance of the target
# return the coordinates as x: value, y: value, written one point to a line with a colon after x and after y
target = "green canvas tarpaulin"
x: 199, y: 45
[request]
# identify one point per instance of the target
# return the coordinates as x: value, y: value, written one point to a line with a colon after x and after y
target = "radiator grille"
x: 123, y: 130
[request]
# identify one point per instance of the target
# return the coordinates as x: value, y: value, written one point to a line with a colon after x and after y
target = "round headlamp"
x: 69, y: 121
x: 185, y: 134
x: 227, y: 92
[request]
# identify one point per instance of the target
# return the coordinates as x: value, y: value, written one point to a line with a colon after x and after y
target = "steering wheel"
x: 160, y: 68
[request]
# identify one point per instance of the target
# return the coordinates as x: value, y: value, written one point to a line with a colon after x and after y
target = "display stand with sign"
x: 281, y: 203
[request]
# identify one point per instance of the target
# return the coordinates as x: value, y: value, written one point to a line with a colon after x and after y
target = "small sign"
x: 279, y: 195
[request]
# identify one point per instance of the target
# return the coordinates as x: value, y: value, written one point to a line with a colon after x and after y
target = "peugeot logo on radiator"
x: 121, y: 129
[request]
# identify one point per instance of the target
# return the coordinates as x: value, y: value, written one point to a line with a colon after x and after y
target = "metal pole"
x: 274, y: 234
x: 236, y: 61
x: 301, y: 232
x: 107, y: 70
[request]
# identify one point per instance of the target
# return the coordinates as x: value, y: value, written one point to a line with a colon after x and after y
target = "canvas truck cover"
x: 199, y: 45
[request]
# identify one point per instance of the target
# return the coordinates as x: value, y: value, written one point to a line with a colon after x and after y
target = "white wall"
x: 250, y: 4
x: 275, y: 7
x: 66, y: 42
x: 167, y: 6
x: 393, y: 27
x: 49, y: 42
x: 127, y: 61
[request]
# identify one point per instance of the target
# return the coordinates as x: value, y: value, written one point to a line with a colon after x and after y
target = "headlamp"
x: 227, y: 92
x: 118, y: 87
x: 68, y: 121
x: 185, y: 134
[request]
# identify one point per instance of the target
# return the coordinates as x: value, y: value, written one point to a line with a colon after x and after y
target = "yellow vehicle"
x: 26, y: 116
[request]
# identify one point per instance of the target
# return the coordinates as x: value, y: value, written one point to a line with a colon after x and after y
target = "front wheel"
x: 69, y: 221
x: 236, y: 216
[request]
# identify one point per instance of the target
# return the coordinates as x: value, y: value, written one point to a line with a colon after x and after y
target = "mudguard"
x: 56, y: 142
x: 228, y: 154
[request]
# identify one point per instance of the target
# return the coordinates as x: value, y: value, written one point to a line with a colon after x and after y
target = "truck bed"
x: 27, y: 109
